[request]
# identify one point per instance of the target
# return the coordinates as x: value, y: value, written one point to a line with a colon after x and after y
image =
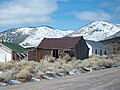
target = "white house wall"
x: 5, y: 55
x: 90, y: 49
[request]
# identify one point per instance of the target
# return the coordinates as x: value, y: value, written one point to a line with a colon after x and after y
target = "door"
x: 55, y: 53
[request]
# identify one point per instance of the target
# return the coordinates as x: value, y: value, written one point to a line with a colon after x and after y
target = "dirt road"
x: 108, y: 79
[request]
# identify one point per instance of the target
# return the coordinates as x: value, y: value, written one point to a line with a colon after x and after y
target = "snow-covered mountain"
x: 32, y: 36
x: 118, y: 25
x: 97, y: 30
x: 114, y: 36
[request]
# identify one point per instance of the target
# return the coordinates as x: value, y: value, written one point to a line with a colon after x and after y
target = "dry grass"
x: 67, y: 57
x: 23, y: 70
x: 23, y: 74
x: 74, y: 63
x: 5, y: 65
x: 7, y: 75
x: 28, y: 68
x: 97, y: 62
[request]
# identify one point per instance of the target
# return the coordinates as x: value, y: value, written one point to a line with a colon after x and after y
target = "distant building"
x: 31, y: 55
x: 11, y: 51
x: 97, y: 48
x: 74, y: 46
x: 114, y: 47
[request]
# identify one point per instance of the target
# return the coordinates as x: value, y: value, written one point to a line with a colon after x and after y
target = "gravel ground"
x: 107, y: 79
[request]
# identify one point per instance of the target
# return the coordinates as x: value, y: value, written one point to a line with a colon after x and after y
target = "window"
x: 105, y: 52
x: 95, y: 51
x: 100, y: 52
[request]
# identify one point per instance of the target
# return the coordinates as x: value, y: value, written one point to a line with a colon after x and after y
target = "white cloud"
x: 26, y: 20
x: 26, y: 11
x: 93, y: 15
x: 113, y: 7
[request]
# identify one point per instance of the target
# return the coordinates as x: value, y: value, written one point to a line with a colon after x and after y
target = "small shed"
x: 74, y: 46
x: 97, y: 48
x: 31, y: 55
x: 11, y: 51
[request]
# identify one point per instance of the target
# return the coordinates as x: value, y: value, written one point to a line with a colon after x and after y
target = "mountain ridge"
x: 97, y: 30
x: 32, y: 36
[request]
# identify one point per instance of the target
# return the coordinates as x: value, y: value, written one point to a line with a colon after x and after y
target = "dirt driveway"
x: 108, y: 79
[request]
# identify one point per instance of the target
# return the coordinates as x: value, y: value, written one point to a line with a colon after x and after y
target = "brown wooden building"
x: 114, y: 47
x: 74, y: 46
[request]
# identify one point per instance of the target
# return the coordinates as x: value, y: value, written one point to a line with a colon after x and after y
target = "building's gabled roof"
x: 59, y: 43
x: 14, y: 47
x: 96, y: 44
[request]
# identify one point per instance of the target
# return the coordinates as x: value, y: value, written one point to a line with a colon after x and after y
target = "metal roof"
x: 96, y: 44
x: 15, y: 47
x: 59, y: 43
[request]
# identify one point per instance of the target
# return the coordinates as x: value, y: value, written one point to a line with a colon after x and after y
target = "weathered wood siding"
x: 81, y: 50
x: 41, y: 53
x: 14, y: 55
x: 31, y: 55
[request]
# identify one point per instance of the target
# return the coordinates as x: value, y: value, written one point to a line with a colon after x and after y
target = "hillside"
x: 113, y: 44
x: 31, y: 36
x: 97, y: 30
x: 114, y: 35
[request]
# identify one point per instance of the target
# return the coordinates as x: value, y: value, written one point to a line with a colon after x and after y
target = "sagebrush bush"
x: 21, y: 63
x: 114, y: 57
x: 5, y: 65
x: 24, y: 70
x: 74, y: 63
x: 24, y: 74
x: 97, y: 62
x: 39, y: 73
x: 33, y: 63
x: 61, y: 61
x: 51, y: 59
x: 98, y: 56
x: 67, y: 57
x: 28, y: 68
x: 7, y: 75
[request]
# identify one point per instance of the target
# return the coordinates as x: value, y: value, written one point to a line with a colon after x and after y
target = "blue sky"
x: 61, y: 14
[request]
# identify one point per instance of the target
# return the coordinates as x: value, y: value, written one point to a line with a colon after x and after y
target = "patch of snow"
x: 26, y: 30
x: 3, y: 84
x: 14, y: 82
x: 40, y: 33
x: 74, y: 72
x: 98, y: 30
x: 33, y: 79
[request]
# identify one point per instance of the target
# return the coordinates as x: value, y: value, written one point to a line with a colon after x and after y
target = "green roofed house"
x: 11, y: 51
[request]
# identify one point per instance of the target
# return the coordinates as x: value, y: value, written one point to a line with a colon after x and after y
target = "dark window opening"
x: 95, y: 51
x: 113, y: 48
x: 100, y: 52
x: 105, y: 52
x: 70, y: 52
x: 55, y: 53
